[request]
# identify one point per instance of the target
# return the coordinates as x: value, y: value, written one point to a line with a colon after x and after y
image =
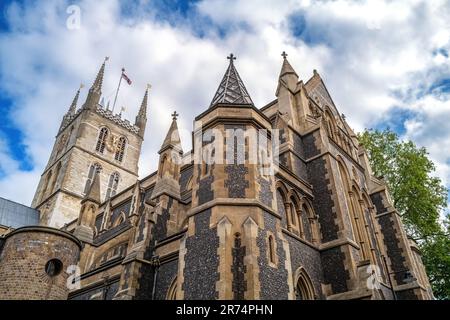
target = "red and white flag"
x: 124, y: 76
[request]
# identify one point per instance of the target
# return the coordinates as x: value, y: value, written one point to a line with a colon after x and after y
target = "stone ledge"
x: 337, y: 243
x: 231, y: 202
x: 49, y: 230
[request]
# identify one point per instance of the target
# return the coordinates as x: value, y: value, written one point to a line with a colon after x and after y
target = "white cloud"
x: 367, y: 50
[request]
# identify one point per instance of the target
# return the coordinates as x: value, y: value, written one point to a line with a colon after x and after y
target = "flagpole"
x: 117, y: 91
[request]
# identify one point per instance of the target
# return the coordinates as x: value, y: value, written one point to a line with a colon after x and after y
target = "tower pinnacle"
x: 172, y: 139
x: 141, y: 118
x: 95, y: 91
x: 94, y: 190
x: 73, y: 105
x: 97, y: 85
x: 231, y: 89
x: 286, y: 68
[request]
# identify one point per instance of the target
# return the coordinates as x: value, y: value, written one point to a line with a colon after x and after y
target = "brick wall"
x: 23, y: 263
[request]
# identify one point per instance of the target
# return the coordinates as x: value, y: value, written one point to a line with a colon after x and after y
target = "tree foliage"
x: 419, y: 197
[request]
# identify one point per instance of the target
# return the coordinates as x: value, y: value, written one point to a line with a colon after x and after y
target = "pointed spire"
x: 143, y: 109
x: 94, y: 190
x: 97, y: 85
x: 73, y: 106
x: 288, y: 77
x: 95, y: 91
x: 172, y: 138
x: 141, y: 118
x: 231, y: 89
x: 286, y: 68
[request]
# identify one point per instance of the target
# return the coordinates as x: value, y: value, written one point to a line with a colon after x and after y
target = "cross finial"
x: 231, y: 57
x: 106, y: 59
x: 174, y: 115
x: 284, y: 55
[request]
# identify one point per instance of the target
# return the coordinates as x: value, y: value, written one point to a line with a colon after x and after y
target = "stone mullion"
x: 287, y: 206
x: 314, y: 231
x: 300, y: 223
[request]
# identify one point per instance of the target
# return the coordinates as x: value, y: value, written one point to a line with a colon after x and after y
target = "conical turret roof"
x: 231, y: 89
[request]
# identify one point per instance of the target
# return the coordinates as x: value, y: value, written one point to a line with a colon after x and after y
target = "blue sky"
x: 385, y: 64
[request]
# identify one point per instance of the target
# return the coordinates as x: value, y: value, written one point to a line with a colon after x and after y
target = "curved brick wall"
x: 25, y: 253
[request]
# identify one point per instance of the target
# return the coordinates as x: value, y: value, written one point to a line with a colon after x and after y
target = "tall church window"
x: 352, y: 205
x: 112, y: 185
x: 47, y: 182
x: 271, y: 249
x: 55, y: 177
x: 120, y: 149
x: 284, y: 208
x: 307, y: 222
x: 101, y: 142
x: 61, y: 144
x: 331, y: 128
x: 95, y: 168
x: 69, y: 136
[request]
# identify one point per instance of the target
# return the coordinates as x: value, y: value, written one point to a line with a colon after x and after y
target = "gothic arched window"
x: 61, y: 144
x: 69, y: 136
x: 101, y: 142
x: 47, y: 182
x: 331, y: 127
x: 307, y: 221
x: 112, y: 185
x: 95, y: 168
x: 295, y: 214
x: 283, y: 207
x: 304, y: 287
x: 172, y: 292
x: 55, y: 177
x: 120, y: 149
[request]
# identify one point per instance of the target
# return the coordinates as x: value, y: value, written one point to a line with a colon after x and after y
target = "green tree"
x: 419, y: 197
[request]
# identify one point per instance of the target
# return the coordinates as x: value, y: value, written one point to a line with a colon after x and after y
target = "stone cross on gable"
x: 174, y: 115
x: 284, y: 55
x: 231, y: 57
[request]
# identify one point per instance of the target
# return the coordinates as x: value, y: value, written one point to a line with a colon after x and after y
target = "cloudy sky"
x: 386, y: 63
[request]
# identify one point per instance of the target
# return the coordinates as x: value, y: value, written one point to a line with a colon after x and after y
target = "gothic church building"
x: 320, y: 227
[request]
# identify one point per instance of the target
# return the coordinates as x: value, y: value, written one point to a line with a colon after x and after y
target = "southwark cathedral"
x: 272, y: 202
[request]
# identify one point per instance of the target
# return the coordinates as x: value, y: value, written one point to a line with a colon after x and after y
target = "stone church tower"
x: 90, y: 140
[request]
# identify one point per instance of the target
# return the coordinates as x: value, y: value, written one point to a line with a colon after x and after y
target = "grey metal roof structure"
x: 231, y: 89
x: 16, y: 215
